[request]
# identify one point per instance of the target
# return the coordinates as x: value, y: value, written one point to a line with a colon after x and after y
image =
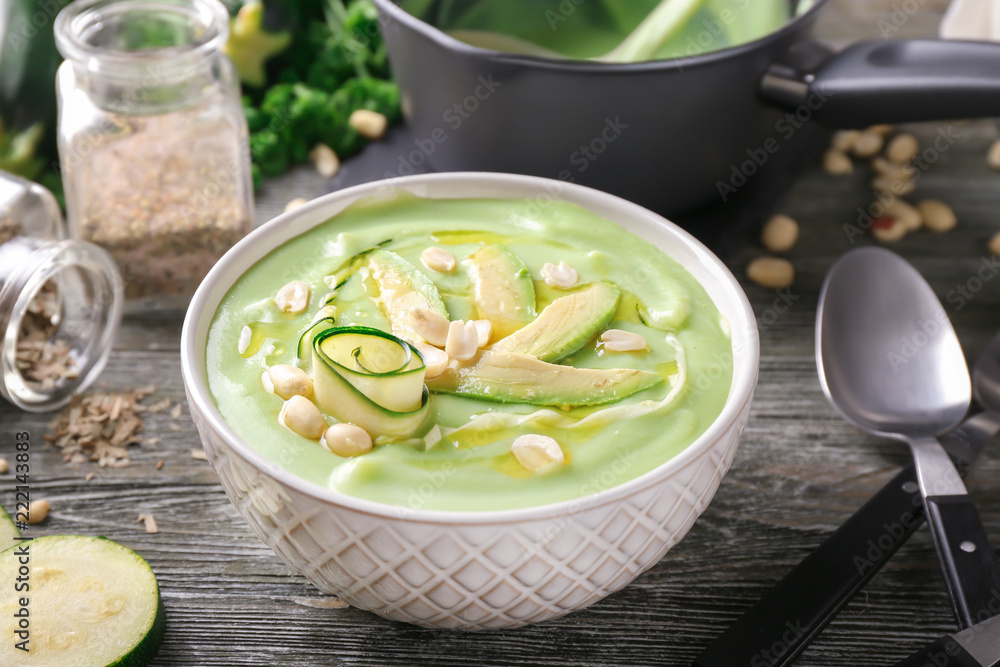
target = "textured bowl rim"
x: 243, y: 255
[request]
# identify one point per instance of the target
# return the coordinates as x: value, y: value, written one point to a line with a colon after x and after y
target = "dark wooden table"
x: 800, y: 471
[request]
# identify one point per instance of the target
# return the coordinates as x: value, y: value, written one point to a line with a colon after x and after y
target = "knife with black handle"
x: 776, y: 629
x: 978, y: 646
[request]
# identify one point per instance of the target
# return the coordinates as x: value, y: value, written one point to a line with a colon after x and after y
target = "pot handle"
x: 896, y: 81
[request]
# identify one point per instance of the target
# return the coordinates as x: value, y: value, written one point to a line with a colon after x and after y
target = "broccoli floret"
x: 334, y: 64
x: 269, y: 152
x: 256, y: 120
x: 250, y: 45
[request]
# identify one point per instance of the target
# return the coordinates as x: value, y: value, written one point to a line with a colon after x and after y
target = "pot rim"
x: 396, y: 13
x: 194, y: 335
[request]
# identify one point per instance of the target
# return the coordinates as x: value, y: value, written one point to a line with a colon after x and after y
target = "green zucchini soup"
x: 468, y: 354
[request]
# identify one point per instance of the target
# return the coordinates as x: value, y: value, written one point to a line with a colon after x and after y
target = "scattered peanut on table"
x: 938, y: 216
x: 911, y: 217
x: 771, y: 272
x: 993, y: 155
x: 369, y: 124
x: 295, y: 203
x: 868, y: 144
x: 902, y: 148
x: 888, y: 229
x: 38, y: 510
x: 837, y: 163
x: 325, y: 160
x: 994, y: 244
x: 780, y: 233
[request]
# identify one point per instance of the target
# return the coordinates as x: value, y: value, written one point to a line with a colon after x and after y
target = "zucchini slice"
x: 90, y: 603
x: 8, y: 530
x: 370, y: 378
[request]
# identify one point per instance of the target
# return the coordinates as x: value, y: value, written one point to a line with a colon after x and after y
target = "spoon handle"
x: 970, y: 570
x: 776, y: 629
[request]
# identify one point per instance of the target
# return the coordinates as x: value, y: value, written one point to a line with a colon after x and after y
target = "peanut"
x: 771, y: 272
x: 438, y: 259
x: 285, y: 381
x: 843, y: 140
x: 994, y: 244
x: 888, y: 229
x: 346, y: 440
x: 435, y: 360
x: 38, y: 510
x: 302, y: 417
x: 430, y: 324
x: 780, y: 234
x: 938, y: 216
x: 369, y: 124
x: 902, y: 148
x: 463, y: 340
x: 993, y: 155
x: 837, y: 163
x: 293, y: 298
x: 485, y: 329
x: 911, y: 218
x: 536, y: 452
x: 560, y: 276
x: 295, y: 203
x: 325, y: 160
x: 868, y: 144
x: 618, y: 340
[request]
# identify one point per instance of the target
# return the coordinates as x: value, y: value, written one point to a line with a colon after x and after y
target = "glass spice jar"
x: 153, y: 140
x: 60, y: 301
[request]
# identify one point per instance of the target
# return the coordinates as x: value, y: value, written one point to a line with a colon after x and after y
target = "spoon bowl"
x: 889, y: 359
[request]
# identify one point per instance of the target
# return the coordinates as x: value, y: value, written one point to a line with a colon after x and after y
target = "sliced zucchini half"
x: 8, y: 530
x: 90, y: 603
x: 370, y: 378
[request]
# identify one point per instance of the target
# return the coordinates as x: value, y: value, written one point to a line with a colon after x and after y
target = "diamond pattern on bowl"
x: 469, y: 576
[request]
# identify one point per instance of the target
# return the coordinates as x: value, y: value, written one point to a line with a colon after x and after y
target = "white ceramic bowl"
x: 473, y: 570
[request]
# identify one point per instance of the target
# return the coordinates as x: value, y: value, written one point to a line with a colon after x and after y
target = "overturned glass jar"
x: 60, y: 301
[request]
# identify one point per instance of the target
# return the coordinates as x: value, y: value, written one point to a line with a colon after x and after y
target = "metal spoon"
x: 890, y: 363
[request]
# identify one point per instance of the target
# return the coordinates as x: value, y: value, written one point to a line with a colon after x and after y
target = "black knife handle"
x: 945, y: 652
x: 776, y: 629
x: 970, y: 570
